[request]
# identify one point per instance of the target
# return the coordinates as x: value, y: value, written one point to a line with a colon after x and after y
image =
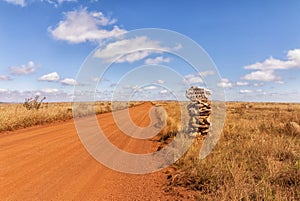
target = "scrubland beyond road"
x: 50, y: 163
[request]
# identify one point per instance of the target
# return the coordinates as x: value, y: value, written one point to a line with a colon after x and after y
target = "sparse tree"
x: 31, y: 103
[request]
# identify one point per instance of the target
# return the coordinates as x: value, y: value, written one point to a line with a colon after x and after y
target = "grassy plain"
x: 256, y: 158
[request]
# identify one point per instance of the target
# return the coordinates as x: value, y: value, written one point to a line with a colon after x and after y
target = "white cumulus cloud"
x: 265, y: 71
x: 129, y: 50
x: 51, y: 77
x: 23, y: 69
x: 81, y: 26
x: 260, y: 75
x: 292, y: 61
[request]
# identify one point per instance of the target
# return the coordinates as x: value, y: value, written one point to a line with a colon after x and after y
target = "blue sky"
x: 254, y: 44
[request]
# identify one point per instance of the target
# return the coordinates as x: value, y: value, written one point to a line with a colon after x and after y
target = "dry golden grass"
x: 170, y: 114
x: 256, y: 158
x: 14, y: 116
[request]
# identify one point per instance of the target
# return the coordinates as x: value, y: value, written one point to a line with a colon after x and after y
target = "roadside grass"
x: 256, y: 158
x: 15, y: 116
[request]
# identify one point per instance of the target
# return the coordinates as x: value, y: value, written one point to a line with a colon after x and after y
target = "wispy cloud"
x: 225, y: 83
x: 164, y: 91
x: 52, y: 94
x: 68, y: 81
x: 5, y: 78
x: 81, y: 26
x: 207, y: 73
x: 150, y: 88
x: 242, y: 83
x: 178, y: 46
x: 245, y: 91
x: 259, y: 84
x: 23, y: 69
x: 158, y: 60
x: 62, y: 1
x: 160, y: 81
x: 192, y: 79
x: 21, y: 3
x: 49, y: 91
x: 95, y: 79
x: 279, y: 82
x: 133, y: 56
x: 197, y: 77
x: 24, y: 3
x: 51, y: 77
x: 3, y: 90
x: 59, y: 2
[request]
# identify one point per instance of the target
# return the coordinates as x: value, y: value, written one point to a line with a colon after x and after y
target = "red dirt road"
x: 50, y: 163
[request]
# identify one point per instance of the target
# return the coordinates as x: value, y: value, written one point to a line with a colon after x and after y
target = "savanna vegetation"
x: 256, y: 158
x: 36, y: 112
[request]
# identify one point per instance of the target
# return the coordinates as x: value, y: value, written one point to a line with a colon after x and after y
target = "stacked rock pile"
x: 199, y: 111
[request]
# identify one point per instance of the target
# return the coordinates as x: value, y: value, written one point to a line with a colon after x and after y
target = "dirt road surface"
x: 50, y: 163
